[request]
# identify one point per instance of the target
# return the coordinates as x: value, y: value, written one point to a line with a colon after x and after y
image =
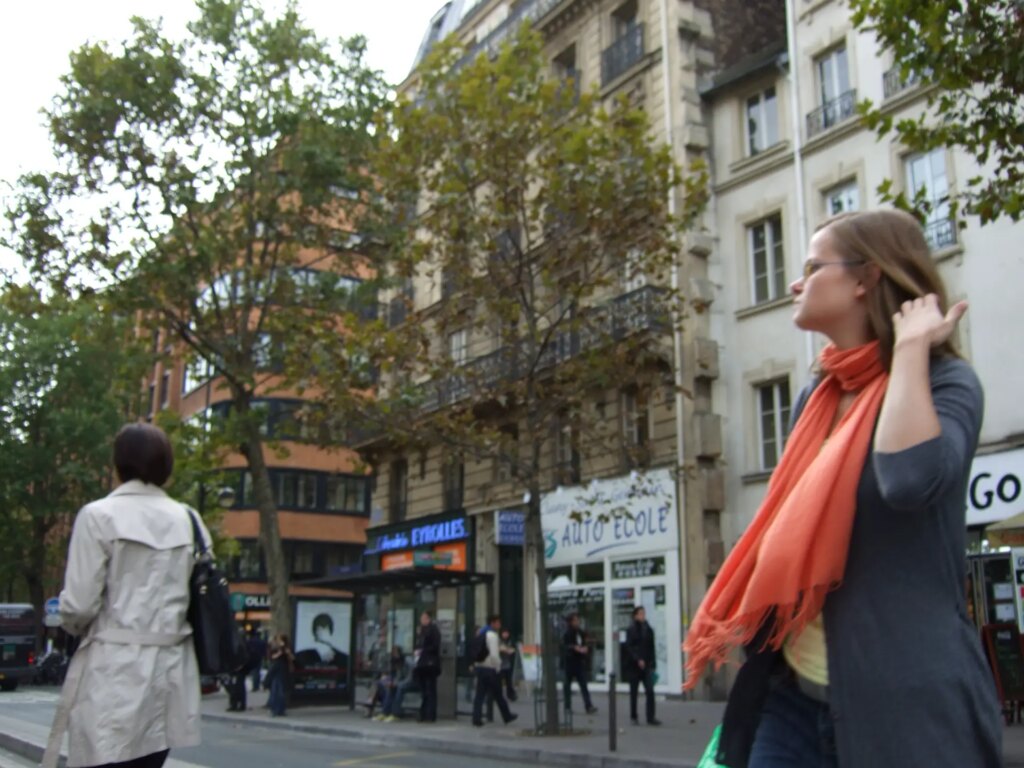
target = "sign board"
x: 996, y: 489
x: 1002, y: 641
x: 52, y: 606
x: 51, y: 620
x: 431, y: 559
x: 244, y: 602
x: 639, y: 568
x: 415, y: 535
x: 630, y: 515
x: 509, y: 528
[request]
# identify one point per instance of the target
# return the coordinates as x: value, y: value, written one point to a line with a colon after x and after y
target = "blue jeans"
x: 393, y: 703
x: 796, y: 731
x: 278, y: 698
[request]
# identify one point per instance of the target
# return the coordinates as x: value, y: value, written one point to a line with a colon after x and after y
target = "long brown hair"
x: 894, y: 242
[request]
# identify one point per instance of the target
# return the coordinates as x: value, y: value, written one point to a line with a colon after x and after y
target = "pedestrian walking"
x: 428, y: 667
x: 576, y: 654
x: 236, y: 688
x: 640, y: 657
x: 132, y: 689
x: 281, y: 658
x: 256, y: 647
x: 847, y: 587
x: 488, y: 683
x: 508, y: 652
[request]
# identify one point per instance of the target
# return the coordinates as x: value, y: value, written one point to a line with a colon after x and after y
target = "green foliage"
x: 68, y: 374
x: 973, y: 53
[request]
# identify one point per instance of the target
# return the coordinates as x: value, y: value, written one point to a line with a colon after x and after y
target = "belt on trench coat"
x: 74, y: 678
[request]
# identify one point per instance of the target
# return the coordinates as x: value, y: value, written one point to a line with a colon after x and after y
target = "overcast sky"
x: 37, y: 36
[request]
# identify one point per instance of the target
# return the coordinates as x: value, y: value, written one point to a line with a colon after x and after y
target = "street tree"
x: 68, y: 380
x: 527, y: 241
x: 971, y: 55
x: 212, y: 184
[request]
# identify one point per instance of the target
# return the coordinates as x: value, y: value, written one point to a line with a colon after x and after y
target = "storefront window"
x: 589, y: 572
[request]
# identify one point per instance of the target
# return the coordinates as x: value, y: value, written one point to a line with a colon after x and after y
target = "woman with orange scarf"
x: 847, y: 589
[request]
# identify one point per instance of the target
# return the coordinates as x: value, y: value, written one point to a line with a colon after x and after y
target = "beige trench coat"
x: 126, y: 593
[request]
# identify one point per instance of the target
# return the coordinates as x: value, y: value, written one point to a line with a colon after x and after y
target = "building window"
x: 249, y: 562
x: 636, y: 426
x: 566, y: 72
x: 152, y: 399
x: 628, y: 48
x: 346, y: 493
x: 504, y: 464
x: 764, y: 242
x: 842, y: 198
x: 399, y: 490
x: 926, y: 177
x: 838, y: 99
x: 762, y: 122
x: 165, y: 389
x: 453, y: 485
x: 458, y: 346
x: 773, y: 420
x: 567, y: 453
x: 193, y: 374
x: 304, y: 557
x: 295, y: 490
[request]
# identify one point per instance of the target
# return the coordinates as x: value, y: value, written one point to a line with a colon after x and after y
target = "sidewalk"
x: 678, y: 742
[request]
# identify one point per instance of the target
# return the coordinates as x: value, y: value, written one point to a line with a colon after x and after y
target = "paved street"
x: 27, y: 714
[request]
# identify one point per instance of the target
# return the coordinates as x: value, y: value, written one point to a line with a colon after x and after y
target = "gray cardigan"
x: 909, y: 683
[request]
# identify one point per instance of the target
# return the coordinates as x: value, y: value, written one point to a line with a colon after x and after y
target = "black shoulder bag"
x: 220, y: 648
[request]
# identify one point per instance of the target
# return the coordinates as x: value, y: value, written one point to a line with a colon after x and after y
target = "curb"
x: 471, y: 749
x: 27, y: 749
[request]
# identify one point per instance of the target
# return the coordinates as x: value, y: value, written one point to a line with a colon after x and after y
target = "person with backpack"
x: 486, y: 656
x: 132, y: 689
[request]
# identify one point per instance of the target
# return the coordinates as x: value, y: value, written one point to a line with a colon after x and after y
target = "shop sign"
x: 431, y: 559
x: 423, y: 535
x: 243, y: 602
x: 996, y: 489
x: 622, y: 516
x: 509, y: 528
x: 639, y: 568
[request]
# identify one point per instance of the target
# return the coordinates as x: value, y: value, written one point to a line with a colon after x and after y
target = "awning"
x: 1006, y: 533
x: 401, y: 579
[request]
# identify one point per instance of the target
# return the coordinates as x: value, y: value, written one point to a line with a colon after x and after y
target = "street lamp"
x: 226, y: 497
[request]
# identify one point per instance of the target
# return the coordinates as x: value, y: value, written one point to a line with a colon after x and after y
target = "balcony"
x: 622, y: 54
x: 641, y: 310
x: 832, y: 113
x: 893, y: 81
x: 525, y: 12
x: 940, y: 234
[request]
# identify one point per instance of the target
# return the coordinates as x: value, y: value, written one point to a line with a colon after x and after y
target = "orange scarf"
x: 794, y: 552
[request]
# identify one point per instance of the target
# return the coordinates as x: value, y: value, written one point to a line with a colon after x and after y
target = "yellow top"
x: 807, y: 653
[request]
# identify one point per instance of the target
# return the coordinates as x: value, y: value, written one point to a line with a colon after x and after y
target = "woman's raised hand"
x: 921, y: 320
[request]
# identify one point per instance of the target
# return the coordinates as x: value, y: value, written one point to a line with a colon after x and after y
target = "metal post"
x: 613, y: 728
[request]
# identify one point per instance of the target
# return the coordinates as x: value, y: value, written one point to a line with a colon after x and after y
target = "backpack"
x: 478, y: 650
x: 220, y: 647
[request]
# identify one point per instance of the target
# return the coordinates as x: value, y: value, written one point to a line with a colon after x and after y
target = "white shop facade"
x: 611, y: 546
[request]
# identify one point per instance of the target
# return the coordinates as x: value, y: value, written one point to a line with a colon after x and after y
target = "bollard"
x: 613, y: 728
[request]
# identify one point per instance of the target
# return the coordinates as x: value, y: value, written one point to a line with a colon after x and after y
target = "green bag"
x: 708, y: 758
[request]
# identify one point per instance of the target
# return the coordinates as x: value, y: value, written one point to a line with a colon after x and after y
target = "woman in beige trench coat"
x: 132, y: 691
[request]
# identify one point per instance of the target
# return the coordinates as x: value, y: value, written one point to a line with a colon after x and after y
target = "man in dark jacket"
x: 576, y: 651
x: 641, y: 659
x: 428, y: 667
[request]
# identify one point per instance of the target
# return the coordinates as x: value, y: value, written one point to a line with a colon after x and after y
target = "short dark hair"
x: 493, y: 618
x: 571, y: 616
x: 323, y: 621
x: 637, y: 610
x: 143, y: 452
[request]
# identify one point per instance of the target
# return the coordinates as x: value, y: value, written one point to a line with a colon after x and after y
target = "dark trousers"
x: 506, y: 681
x: 278, y: 700
x: 155, y: 760
x: 579, y: 674
x: 794, y: 731
x: 236, y: 692
x: 645, y: 676
x: 428, y: 694
x: 489, y: 684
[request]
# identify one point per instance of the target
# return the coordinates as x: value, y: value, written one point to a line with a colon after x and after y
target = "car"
x: 17, y: 644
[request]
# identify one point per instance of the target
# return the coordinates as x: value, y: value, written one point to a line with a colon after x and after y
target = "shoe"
x: 634, y: 721
x: 230, y: 709
x: 512, y: 718
x: 654, y: 721
x: 591, y: 710
x: 389, y: 719
x: 478, y: 723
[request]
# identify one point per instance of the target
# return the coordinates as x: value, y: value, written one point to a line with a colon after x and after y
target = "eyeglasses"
x: 810, y: 267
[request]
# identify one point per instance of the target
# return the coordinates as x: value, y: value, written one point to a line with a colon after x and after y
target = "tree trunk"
x: 35, y: 575
x: 270, y: 531
x: 548, y: 639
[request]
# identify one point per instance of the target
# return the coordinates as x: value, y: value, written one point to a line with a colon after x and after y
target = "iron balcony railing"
x: 832, y: 113
x: 525, y: 12
x: 894, y: 82
x: 622, y: 54
x: 940, y: 234
x: 644, y: 309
